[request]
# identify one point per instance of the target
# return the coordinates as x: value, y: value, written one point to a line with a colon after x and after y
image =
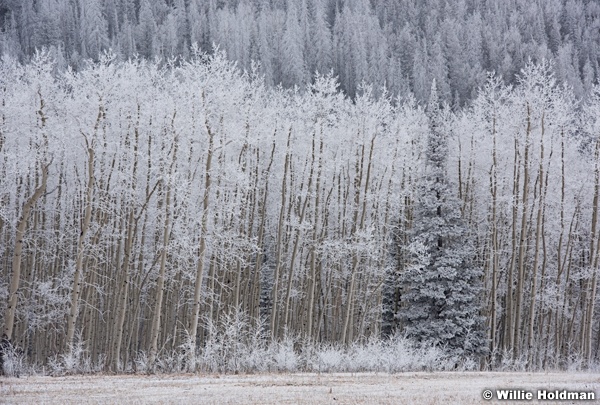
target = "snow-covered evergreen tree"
x: 441, y: 285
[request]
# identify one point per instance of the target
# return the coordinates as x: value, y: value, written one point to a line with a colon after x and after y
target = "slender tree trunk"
x: 594, y: 261
x: 121, y: 304
x: 522, y: 242
x: 9, y: 318
x: 561, y: 259
x: 347, y: 331
x: 193, y: 330
x: 494, y: 253
x: 287, y: 312
x: 510, y: 318
x: 77, y: 278
x: 160, y: 284
x: 313, y: 254
x: 261, y: 232
x: 538, y: 228
x: 355, y: 260
x: 280, y: 229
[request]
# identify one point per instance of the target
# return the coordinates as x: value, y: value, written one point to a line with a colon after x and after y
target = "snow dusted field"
x: 355, y: 388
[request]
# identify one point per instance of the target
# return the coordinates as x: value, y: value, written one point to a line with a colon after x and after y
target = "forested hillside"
x: 401, y: 45
x: 331, y: 175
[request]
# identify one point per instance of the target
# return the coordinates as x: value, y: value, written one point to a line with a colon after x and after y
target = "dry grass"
x: 299, y: 388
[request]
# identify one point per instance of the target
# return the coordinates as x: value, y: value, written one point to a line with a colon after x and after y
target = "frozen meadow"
x: 297, y: 388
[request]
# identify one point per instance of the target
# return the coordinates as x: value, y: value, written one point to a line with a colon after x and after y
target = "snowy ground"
x: 357, y: 388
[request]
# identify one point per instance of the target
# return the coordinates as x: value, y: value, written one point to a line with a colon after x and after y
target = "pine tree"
x: 292, y: 60
x: 440, y: 284
x: 94, y: 30
x: 147, y: 40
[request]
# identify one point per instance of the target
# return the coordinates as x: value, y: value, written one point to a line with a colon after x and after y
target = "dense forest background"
x: 171, y: 205
x: 401, y: 45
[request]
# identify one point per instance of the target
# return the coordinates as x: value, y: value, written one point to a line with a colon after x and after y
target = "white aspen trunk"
x: 160, y: 283
x: 280, y: 228
x: 9, y: 318
x: 510, y: 325
x: 594, y: 262
x: 561, y: 332
x: 538, y: 228
x: 77, y: 278
x: 347, y: 331
x: 255, y: 305
x: 494, y: 254
x: 560, y: 257
x: 522, y: 242
x: 313, y: 255
x: 543, y: 278
x: 287, y: 311
x: 193, y: 330
x: 121, y: 305
x: 345, y: 336
x: 244, y: 218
